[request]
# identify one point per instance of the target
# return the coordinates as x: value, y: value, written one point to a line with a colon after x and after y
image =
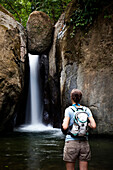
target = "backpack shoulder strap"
x: 78, y: 108
x: 73, y: 108
x: 85, y: 109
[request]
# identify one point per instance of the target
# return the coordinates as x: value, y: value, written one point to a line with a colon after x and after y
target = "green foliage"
x: 84, y: 15
x: 22, y: 8
x: 108, y: 16
x: 53, y: 8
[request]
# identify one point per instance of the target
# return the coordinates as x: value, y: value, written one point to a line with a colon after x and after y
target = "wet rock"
x: 11, y: 69
x: 39, y: 28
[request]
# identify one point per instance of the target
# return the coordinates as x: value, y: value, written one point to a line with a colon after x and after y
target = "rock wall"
x: 86, y: 62
x: 54, y: 95
x: 11, y: 68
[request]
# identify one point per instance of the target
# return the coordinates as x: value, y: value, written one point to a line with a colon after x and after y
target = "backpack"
x: 80, y: 124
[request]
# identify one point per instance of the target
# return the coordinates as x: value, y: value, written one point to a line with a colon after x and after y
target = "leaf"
x: 6, y: 166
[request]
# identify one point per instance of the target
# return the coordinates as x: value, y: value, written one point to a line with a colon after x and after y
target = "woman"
x: 76, y: 147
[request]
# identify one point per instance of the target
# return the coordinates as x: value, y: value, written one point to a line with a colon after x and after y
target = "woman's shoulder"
x: 85, y: 107
x: 68, y: 111
x: 69, y: 108
x: 87, y: 110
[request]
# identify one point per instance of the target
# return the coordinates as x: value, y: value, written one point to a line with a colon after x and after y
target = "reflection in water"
x: 33, y: 154
x: 43, y: 151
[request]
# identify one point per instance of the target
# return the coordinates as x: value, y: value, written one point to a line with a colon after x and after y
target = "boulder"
x: 11, y: 69
x: 39, y: 29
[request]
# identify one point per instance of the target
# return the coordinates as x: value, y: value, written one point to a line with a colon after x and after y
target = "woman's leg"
x: 70, y: 165
x: 83, y: 165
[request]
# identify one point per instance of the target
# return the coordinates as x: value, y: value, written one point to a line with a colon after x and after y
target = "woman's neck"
x: 73, y: 103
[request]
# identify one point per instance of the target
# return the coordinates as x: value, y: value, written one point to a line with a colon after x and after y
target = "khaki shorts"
x: 76, y: 150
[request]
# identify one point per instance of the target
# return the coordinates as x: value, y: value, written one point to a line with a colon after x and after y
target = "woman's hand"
x: 65, y: 123
x: 92, y: 123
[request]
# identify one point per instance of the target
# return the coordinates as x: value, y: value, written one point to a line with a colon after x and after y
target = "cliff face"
x: 86, y: 62
x: 11, y: 68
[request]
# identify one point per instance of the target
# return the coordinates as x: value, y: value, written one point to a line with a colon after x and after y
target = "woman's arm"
x: 92, y: 123
x: 65, y: 123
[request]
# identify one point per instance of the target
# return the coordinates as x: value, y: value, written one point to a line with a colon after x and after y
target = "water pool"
x: 43, y: 151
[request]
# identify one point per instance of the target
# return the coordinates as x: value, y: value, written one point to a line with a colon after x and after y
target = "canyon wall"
x: 12, y: 57
x: 85, y: 61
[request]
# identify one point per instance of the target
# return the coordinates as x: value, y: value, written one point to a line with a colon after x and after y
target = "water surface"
x: 43, y: 151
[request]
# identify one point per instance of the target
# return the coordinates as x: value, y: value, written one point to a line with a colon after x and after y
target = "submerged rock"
x: 39, y: 28
x: 11, y: 69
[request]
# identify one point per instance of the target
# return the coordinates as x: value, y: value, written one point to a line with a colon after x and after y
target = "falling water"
x: 36, y: 117
x: 34, y: 105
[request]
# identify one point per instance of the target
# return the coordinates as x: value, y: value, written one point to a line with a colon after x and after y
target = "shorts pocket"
x: 70, y: 154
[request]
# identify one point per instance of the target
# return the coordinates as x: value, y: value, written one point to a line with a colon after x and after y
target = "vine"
x: 84, y: 15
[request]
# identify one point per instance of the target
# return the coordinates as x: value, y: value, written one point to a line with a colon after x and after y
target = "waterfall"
x: 34, y: 104
x: 36, y: 116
